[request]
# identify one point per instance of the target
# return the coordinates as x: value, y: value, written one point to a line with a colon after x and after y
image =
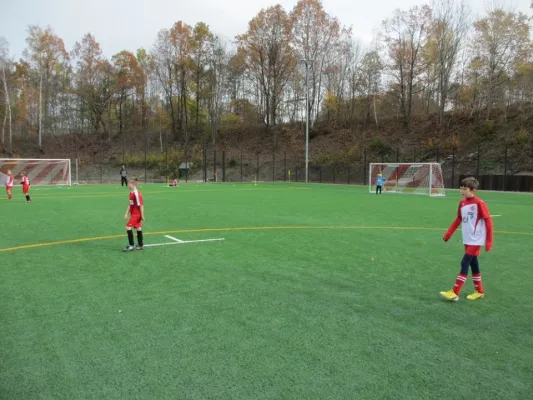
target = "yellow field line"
x: 257, y: 228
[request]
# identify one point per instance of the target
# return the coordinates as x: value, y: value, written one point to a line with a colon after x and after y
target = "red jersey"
x: 136, y: 201
x: 10, y: 180
x: 25, y: 181
x: 476, y: 223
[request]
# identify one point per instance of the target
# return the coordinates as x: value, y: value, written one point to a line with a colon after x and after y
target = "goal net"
x: 41, y: 172
x: 411, y: 178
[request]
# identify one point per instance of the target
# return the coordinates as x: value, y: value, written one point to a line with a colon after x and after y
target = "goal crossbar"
x: 407, y: 178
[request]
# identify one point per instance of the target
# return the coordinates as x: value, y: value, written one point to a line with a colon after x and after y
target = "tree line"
x: 434, y: 59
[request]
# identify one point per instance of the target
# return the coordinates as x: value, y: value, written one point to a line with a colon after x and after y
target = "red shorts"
x: 9, y: 188
x: 472, y: 250
x: 135, y: 222
x: 25, y: 189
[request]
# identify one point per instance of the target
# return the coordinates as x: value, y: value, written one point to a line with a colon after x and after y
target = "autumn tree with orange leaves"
x: 268, y: 58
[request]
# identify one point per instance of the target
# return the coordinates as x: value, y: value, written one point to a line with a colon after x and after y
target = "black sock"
x: 130, y: 237
x: 140, y: 238
x: 28, y: 198
x: 475, y: 266
x: 465, y: 263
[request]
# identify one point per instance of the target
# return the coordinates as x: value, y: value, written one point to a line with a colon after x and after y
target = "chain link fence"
x: 153, y: 160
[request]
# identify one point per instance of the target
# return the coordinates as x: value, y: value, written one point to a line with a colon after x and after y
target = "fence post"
x: 215, y: 165
x: 397, y: 154
x: 364, y: 167
x: 438, y: 153
x: 241, y: 164
x: 145, y: 157
x: 348, y: 175
x: 453, y: 167
x: 414, y: 153
x: 186, y: 164
x: 320, y: 174
x: 296, y: 174
x: 101, y: 163
x: 285, y: 169
x: 273, y: 166
x: 205, y: 164
x: 223, y: 165
x: 257, y: 168
x: 334, y: 174
x: 505, y: 167
x: 477, y: 166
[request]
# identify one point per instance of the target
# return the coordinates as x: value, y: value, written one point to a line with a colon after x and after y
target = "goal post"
x: 410, y: 178
x: 41, y: 172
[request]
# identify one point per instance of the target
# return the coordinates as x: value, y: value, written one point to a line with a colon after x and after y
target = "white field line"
x: 497, y: 215
x: 183, y: 242
x: 174, y: 239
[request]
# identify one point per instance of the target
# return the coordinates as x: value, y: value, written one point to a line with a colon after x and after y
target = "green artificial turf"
x: 339, y: 299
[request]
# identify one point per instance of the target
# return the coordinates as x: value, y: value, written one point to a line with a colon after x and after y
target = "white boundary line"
x: 183, y: 242
x: 174, y: 239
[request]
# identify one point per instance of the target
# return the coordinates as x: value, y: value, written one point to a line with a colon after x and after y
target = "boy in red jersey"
x: 9, y: 184
x: 477, y: 231
x: 26, y: 186
x: 135, y: 211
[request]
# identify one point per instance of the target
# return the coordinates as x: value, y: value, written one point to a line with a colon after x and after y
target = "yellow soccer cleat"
x: 475, y: 296
x: 449, y: 295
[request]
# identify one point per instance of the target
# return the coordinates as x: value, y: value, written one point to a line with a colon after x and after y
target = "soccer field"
x: 316, y: 292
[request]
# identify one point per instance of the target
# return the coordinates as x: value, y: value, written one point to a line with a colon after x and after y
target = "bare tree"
x: 405, y: 35
x: 217, y: 83
x: 4, y: 60
x: 269, y: 58
x: 501, y: 40
x: 450, y: 27
x: 314, y: 37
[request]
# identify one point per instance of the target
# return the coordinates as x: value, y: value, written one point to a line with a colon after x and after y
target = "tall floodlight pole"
x: 306, y: 61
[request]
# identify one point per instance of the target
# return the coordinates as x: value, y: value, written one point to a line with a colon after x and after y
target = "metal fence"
x: 153, y: 160
x: 221, y: 165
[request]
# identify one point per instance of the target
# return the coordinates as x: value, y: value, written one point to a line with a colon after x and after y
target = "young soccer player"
x: 379, y: 183
x: 477, y: 231
x: 135, y: 211
x: 9, y: 184
x: 26, y: 186
x: 174, y: 183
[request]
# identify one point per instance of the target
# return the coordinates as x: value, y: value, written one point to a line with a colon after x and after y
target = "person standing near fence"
x: 124, y: 176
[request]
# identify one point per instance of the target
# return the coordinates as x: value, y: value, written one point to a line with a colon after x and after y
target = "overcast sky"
x: 130, y: 24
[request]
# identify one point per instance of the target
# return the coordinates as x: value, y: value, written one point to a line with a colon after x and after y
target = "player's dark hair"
x: 470, y: 183
x: 135, y: 180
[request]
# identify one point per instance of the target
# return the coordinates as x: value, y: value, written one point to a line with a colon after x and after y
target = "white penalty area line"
x: 178, y: 241
x: 174, y: 239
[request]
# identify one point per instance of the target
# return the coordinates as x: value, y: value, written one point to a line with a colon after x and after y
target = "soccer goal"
x: 41, y: 172
x: 411, y: 178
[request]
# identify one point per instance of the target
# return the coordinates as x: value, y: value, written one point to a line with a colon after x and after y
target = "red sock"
x: 459, y: 282
x: 477, y: 283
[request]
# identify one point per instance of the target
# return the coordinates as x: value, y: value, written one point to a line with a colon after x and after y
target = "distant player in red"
x: 9, y: 184
x: 135, y: 213
x: 26, y: 186
x: 476, y: 222
x: 174, y: 183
